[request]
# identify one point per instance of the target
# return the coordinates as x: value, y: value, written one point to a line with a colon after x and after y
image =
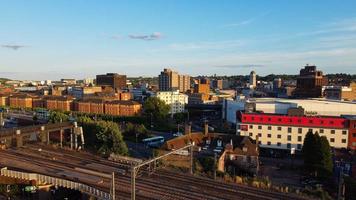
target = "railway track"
x: 162, y: 184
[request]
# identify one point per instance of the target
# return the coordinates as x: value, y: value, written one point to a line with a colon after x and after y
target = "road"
x: 162, y: 184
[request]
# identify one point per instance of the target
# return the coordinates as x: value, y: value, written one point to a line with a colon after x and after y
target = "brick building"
x: 90, y: 106
x: 310, y: 83
x: 63, y: 103
x: 20, y: 101
x: 113, y: 80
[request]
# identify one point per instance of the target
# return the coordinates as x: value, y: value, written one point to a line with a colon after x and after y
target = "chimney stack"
x: 206, y: 128
x: 188, y: 128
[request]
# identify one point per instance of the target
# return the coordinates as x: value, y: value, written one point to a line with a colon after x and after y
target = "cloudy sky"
x: 82, y: 38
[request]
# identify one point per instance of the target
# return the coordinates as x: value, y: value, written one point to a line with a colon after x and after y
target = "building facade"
x: 168, y: 80
x: 253, y: 80
x: 114, y: 80
x: 184, y: 83
x: 310, y: 82
x: 175, y: 99
x: 20, y: 101
x: 202, y: 86
x: 341, y: 92
x: 286, y: 132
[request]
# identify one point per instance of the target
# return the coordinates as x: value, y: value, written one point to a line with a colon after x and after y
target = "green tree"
x: 326, y: 158
x: 317, y: 155
x: 103, y: 137
x: 156, y: 108
x: 56, y: 117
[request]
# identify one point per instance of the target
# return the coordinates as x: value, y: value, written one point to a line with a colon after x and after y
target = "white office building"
x: 175, y: 99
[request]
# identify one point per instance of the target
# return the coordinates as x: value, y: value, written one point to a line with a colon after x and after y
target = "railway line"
x: 162, y: 184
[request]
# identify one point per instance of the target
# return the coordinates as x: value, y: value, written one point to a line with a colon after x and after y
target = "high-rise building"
x: 253, y: 80
x: 168, y: 80
x: 113, y: 80
x: 277, y: 83
x: 310, y: 83
x: 184, y: 83
x: 202, y: 86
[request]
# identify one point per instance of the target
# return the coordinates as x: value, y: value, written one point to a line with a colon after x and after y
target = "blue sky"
x: 46, y: 39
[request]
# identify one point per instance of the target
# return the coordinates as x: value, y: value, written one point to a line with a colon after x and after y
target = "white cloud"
x: 153, y: 36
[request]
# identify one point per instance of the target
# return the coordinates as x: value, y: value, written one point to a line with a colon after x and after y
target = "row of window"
x: 290, y: 120
x: 300, y: 130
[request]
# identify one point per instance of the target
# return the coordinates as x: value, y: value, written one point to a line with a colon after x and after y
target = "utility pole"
x: 113, y: 186
x: 133, y: 183
x: 191, y: 159
x: 214, y: 165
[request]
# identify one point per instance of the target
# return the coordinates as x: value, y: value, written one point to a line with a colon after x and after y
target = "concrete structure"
x: 81, y: 92
x: 113, y: 80
x: 281, y: 106
x: 18, y: 137
x: 184, y: 83
x: 253, y: 80
x: 175, y: 99
x: 310, y: 83
x: 341, y: 92
x: 286, y: 132
x: 168, y: 80
x: 43, y: 179
x: 202, y: 86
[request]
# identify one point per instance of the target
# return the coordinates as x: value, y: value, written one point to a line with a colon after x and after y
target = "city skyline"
x: 53, y: 40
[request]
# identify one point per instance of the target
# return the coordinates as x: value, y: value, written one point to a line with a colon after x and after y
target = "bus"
x: 153, y: 141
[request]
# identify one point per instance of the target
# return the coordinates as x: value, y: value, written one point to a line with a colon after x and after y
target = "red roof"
x: 285, y: 120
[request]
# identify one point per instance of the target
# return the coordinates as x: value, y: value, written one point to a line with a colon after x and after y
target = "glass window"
x: 278, y: 144
x: 299, y: 146
x: 259, y: 127
x: 269, y: 135
x: 279, y: 136
x: 268, y: 143
x: 310, y: 130
x: 288, y: 145
x: 332, y: 139
x: 299, y: 130
x: 299, y: 138
x: 250, y: 134
x: 279, y: 128
x: 321, y: 131
x: 343, y: 140
x: 260, y: 135
x: 251, y: 126
x: 269, y: 128
x: 332, y: 131
x: 289, y: 137
x: 289, y: 129
x: 344, y: 132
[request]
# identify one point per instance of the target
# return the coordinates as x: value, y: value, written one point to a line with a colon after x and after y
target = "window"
x: 250, y: 134
x: 344, y: 132
x: 260, y: 135
x: 268, y: 143
x: 288, y: 145
x: 299, y: 130
x: 279, y: 128
x: 299, y: 146
x: 251, y: 126
x: 310, y: 130
x: 279, y: 136
x: 299, y: 138
x: 278, y: 144
x: 289, y: 137
x: 269, y: 128
x: 332, y: 131
x: 321, y: 131
x: 354, y: 135
x: 343, y: 140
x: 269, y: 135
x: 332, y: 139
x: 259, y: 127
x: 289, y: 129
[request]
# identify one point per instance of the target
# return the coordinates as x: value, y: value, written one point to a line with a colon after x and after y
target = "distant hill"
x: 3, y: 80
